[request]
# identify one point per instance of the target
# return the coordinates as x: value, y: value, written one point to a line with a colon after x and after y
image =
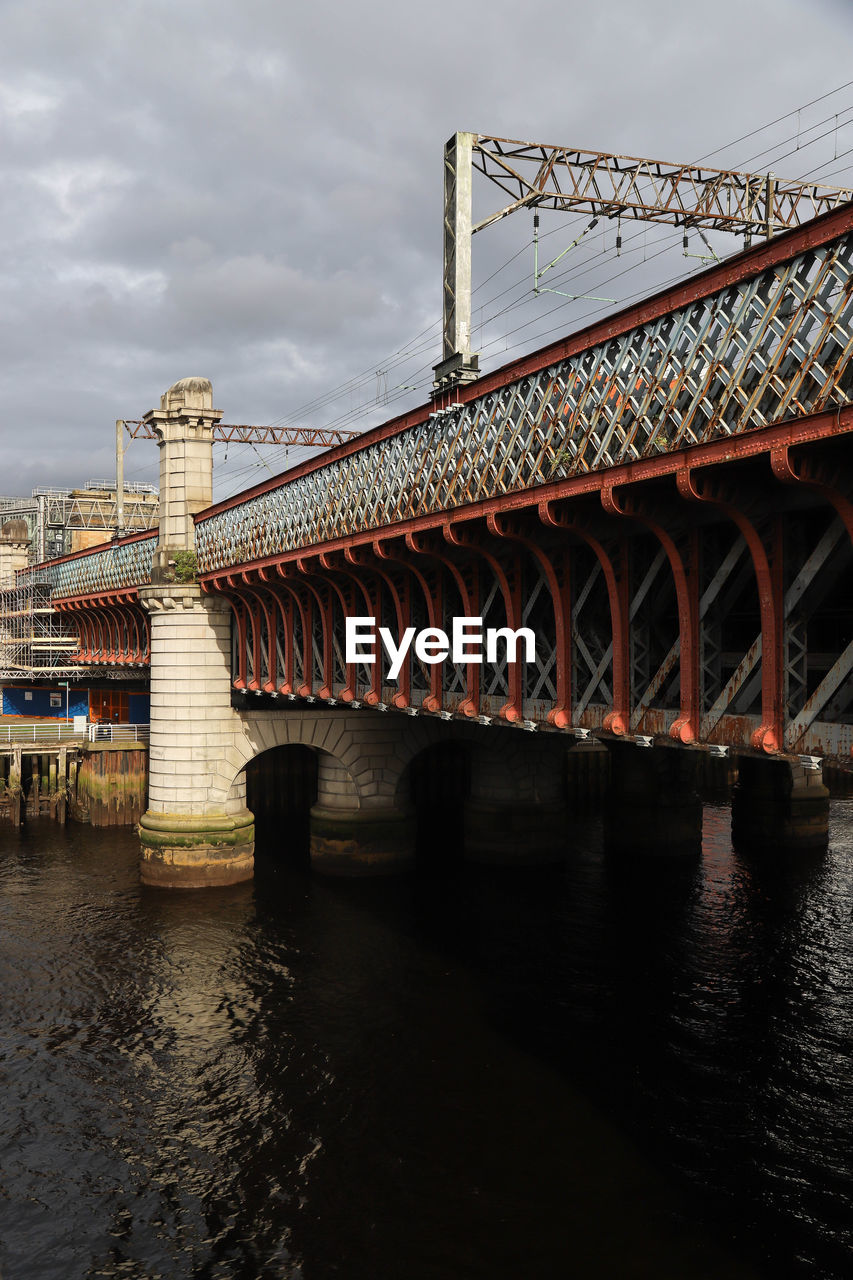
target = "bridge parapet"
x: 749, y: 344
x: 113, y: 566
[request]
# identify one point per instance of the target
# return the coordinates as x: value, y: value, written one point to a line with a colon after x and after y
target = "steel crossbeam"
x: 541, y: 176
x: 227, y: 433
x: 566, y: 178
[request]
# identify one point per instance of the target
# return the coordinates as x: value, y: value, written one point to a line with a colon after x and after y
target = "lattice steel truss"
x: 769, y: 346
x: 122, y: 563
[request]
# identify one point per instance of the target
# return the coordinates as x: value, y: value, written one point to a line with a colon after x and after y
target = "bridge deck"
x: 665, y: 498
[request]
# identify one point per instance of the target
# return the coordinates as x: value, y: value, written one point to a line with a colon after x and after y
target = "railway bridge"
x: 662, y: 500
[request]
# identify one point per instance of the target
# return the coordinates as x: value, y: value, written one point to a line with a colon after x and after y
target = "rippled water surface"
x: 615, y: 1069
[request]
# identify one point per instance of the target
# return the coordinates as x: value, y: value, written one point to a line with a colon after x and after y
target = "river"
x: 614, y: 1069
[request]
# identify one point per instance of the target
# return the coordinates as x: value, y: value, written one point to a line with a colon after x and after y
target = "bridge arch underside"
x: 357, y: 794
x: 712, y: 606
x: 113, y: 629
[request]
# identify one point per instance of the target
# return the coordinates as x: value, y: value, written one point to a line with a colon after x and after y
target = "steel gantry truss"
x: 539, y: 175
x: 315, y: 437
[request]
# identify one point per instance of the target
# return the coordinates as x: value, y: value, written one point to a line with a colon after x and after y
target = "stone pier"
x: 516, y: 813
x: 653, y: 806
x: 196, y: 832
x: 779, y: 806
x: 352, y: 838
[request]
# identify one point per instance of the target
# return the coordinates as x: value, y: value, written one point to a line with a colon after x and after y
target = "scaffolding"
x: 64, y: 520
x: 36, y: 640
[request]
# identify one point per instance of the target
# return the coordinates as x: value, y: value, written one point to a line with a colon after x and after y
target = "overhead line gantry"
x: 539, y: 175
x: 238, y: 433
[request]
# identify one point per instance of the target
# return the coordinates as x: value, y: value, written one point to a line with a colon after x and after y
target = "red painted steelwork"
x: 768, y: 573
x: 469, y: 537
x: 432, y: 594
x: 616, y: 578
x: 558, y: 576
x: 685, y: 728
x: 786, y: 472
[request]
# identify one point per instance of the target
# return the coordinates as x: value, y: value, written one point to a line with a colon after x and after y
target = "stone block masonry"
x: 197, y: 830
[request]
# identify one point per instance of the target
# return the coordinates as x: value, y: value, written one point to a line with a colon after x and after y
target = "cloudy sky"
x: 251, y: 190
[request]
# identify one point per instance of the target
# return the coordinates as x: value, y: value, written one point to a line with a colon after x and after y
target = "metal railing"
x: 45, y: 731
x: 102, y: 568
x: 64, y: 731
x: 119, y: 732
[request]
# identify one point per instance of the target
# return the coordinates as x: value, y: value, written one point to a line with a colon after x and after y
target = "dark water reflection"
x: 484, y: 1075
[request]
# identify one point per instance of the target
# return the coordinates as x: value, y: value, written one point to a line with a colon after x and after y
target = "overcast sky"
x: 251, y: 190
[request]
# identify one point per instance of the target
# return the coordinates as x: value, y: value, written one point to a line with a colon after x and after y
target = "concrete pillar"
x: 652, y: 806
x: 357, y: 836
x: 14, y: 550
x: 778, y: 806
x: 184, y: 426
x: 193, y: 834
x: 516, y: 814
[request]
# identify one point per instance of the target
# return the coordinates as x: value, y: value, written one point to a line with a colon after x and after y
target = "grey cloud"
x: 258, y: 297
x: 253, y: 192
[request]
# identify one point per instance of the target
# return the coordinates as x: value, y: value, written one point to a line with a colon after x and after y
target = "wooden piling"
x: 61, y: 805
x: 15, y: 789
x: 112, y: 784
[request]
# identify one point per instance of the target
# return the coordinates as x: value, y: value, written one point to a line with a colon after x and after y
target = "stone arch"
x: 372, y: 748
x: 324, y: 731
x: 364, y: 818
x: 281, y: 791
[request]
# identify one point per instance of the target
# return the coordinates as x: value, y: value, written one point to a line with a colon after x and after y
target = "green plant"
x: 186, y: 566
x: 562, y: 458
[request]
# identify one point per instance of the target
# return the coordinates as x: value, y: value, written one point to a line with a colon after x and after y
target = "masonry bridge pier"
x: 662, y: 499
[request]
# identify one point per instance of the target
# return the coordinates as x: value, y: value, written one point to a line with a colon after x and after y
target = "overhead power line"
x: 584, y: 261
